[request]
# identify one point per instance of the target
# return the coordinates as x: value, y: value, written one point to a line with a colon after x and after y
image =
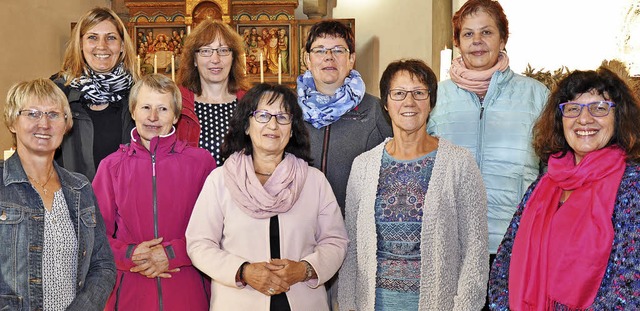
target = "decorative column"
x: 314, y: 9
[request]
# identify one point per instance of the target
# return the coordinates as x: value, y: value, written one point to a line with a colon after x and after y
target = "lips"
x: 409, y: 114
x: 102, y: 56
x: 586, y: 132
x: 42, y: 136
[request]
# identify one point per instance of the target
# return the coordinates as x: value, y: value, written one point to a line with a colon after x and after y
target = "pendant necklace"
x: 45, y: 183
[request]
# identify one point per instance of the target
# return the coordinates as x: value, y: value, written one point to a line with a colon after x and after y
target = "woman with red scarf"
x: 572, y: 243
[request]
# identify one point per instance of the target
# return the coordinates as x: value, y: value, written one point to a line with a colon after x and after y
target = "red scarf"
x: 560, y: 255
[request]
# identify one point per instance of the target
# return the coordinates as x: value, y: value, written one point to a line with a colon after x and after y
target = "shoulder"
x: 197, y: 154
x: 526, y: 82
x: 187, y: 96
x: 453, y: 153
x: 375, y: 154
x: 72, y: 180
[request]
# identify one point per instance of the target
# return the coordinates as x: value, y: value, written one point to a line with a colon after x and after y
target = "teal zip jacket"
x: 498, y: 133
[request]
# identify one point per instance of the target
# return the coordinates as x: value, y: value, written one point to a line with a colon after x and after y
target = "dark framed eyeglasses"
x: 263, y: 116
x: 336, y: 51
x: 419, y: 94
x: 36, y: 115
x: 596, y: 109
x: 207, y: 52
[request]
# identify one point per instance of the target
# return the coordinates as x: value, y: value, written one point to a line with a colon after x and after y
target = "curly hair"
x: 548, y: 133
x: 491, y: 7
x: 236, y: 138
x: 206, y: 32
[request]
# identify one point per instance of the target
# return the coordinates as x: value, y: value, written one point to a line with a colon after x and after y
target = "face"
x: 43, y: 136
x: 586, y: 133
x: 215, y: 68
x: 102, y: 46
x: 269, y: 138
x: 329, y: 71
x: 153, y: 114
x: 480, y: 42
x: 408, y: 115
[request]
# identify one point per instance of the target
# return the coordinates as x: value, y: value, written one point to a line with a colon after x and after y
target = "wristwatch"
x: 309, y: 271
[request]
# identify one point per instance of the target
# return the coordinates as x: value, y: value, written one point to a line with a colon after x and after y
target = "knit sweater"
x: 453, y: 250
x: 620, y: 287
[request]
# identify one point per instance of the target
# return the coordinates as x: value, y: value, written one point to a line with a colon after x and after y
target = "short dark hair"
x: 331, y: 28
x: 236, y: 138
x: 548, y: 133
x: 416, y: 68
x: 491, y: 7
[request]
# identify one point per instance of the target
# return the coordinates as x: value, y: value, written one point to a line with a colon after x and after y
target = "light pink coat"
x: 220, y: 237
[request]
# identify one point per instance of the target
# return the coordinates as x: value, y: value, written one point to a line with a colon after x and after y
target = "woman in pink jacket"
x: 267, y: 228
x: 146, y: 191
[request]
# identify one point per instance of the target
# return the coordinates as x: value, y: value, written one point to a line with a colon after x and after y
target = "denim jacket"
x: 22, y: 240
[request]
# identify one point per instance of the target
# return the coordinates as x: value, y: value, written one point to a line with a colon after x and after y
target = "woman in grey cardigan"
x: 415, y: 211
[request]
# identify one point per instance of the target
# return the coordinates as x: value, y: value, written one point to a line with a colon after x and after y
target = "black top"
x: 279, y: 302
x: 107, y: 125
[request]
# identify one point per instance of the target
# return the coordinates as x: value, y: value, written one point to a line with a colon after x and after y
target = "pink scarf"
x: 473, y: 80
x: 560, y: 255
x: 276, y: 196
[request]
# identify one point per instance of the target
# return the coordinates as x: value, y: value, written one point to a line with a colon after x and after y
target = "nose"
x: 215, y: 58
x: 328, y: 55
x: 272, y: 124
x: 153, y: 115
x: 477, y: 38
x: 585, y: 117
x: 44, y: 121
x: 102, y: 41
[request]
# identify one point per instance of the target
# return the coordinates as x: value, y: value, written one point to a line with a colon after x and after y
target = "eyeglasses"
x: 36, y: 115
x: 336, y: 51
x: 419, y: 94
x: 596, y: 109
x: 222, y: 51
x: 263, y: 116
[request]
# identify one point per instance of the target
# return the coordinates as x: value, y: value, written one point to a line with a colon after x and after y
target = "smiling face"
x: 102, y: 46
x: 215, y: 68
x: 480, y: 42
x: 329, y: 70
x: 154, y: 114
x: 408, y: 115
x: 586, y: 133
x: 39, y: 137
x: 271, y: 138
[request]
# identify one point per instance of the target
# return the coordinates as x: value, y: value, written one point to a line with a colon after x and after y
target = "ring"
x: 271, y: 291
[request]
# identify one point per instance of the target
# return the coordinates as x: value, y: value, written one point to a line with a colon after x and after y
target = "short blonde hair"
x: 161, y: 84
x: 74, y: 64
x: 38, y: 90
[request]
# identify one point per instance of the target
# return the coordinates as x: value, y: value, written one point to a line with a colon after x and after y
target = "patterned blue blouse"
x: 620, y: 287
x: 402, y: 186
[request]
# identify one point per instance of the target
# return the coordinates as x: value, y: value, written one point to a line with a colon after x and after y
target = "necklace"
x: 45, y: 183
x: 263, y: 174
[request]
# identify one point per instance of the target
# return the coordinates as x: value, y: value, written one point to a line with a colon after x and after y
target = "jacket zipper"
x: 325, y: 149
x: 155, y: 218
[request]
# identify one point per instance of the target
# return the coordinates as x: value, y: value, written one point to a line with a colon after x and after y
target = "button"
x: 3, y: 216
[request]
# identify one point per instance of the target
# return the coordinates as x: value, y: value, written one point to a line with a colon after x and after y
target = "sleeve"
x: 471, y: 204
x: 176, y: 249
x: 499, y: 275
x: 348, y: 273
x: 331, y: 237
x: 101, y: 277
x: 106, y: 199
x: 204, y: 236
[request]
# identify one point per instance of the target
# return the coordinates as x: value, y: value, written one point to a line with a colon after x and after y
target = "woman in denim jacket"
x: 55, y: 254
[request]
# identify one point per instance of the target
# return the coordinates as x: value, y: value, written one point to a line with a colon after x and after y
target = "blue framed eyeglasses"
x: 599, y: 108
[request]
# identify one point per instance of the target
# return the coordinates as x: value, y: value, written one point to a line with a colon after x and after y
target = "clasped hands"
x: 274, y: 277
x: 151, y: 260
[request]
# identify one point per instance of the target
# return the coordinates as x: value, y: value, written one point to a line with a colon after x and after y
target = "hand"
x: 289, y: 271
x: 151, y: 260
x: 262, y: 279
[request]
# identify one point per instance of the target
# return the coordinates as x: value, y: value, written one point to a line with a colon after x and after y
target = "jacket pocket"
x: 10, y: 303
x: 88, y: 217
x: 10, y: 215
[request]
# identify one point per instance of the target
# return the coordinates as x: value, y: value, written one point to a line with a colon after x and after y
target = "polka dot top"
x: 214, y: 123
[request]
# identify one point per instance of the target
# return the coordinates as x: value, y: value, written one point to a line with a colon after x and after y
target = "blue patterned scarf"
x: 321, y: 110
x: 103, y: 88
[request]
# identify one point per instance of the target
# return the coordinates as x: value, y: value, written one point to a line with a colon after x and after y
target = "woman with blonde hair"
x: 97, y: 73
x: 212, y: 80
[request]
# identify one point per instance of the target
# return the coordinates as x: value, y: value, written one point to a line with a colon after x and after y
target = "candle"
x: 155, y: 63
x: 8, y: 153
x: 279, y: 69
x: 261, y: 70
x: 138, y: 63
x: 188, y: 29
x: 173, y: 67
x: 445, y: 63
x: 244, y: 61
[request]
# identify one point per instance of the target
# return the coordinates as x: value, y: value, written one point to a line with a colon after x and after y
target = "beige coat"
x: 455, y: 261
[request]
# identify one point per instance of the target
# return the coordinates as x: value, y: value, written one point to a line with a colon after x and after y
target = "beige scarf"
x: 476, y: 81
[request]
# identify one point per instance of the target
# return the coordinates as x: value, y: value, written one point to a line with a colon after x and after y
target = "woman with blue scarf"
x: 98, y: 71
x: 343, y: 121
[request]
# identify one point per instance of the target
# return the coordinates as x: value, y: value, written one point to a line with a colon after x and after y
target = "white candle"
x: 279, y: 69
x: 445, y: 63
x: 173, y: 67
x: 8, y: 153
x: 244, y: 61
x: 261, y: 70
x: 155, y: 63
x: 138, y: 63
x: 188, y: 29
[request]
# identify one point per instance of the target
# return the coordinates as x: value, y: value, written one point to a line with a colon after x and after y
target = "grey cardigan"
x: 454, y: 266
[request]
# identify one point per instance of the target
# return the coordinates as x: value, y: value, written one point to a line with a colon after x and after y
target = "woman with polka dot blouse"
x: 211, y: 80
